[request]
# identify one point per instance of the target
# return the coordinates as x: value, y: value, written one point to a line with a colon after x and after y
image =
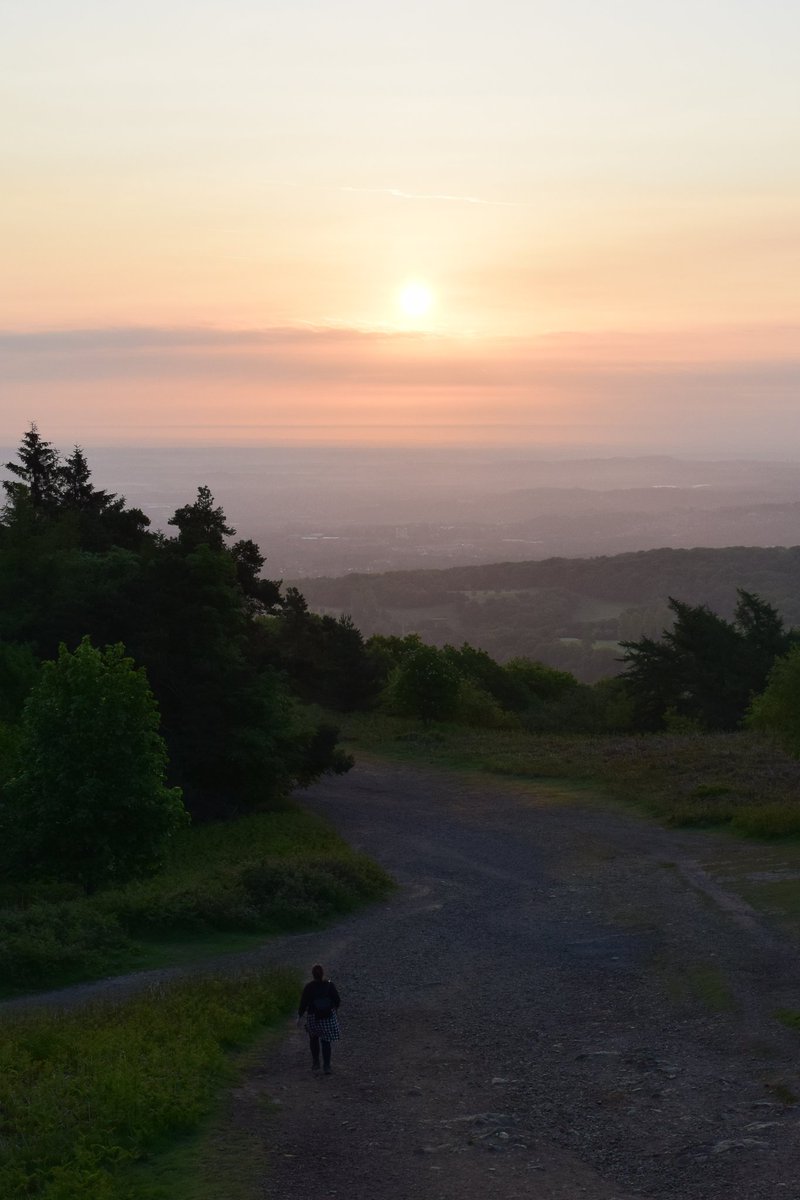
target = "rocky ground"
x: 558, y: 1002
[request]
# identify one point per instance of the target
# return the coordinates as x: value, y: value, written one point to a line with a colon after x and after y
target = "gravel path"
x: 536, y: 1014
x: 558, y: 1002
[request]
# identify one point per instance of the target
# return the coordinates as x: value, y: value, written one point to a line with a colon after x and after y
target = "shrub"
x: 67, y: 940
x: 263, y: 873
x: 779, y: 819
x: 261, y: 896
x: 777, y: 709
x: 474, y: 706
x: 425, y: 684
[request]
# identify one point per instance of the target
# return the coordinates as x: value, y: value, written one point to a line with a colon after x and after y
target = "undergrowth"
x: 87, y: 1094
x: 265, y: 873
x: 740, y: 780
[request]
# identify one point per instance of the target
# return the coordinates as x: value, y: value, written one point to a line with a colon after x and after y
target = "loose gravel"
x: 558, y: 1002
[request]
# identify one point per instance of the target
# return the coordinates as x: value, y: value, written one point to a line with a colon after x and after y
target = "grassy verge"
x: 739, y: 780
x: 224, y: 887
x: 91, y: 1100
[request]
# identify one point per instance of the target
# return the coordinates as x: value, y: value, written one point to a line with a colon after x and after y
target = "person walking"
x: 319, y: 1002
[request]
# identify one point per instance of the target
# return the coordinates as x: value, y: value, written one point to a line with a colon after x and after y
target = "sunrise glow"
x: 416, y: 299
x: 223, y: 224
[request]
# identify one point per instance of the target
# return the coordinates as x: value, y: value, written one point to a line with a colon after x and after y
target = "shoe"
x: 315, y: 1066
x: 327, y: 1071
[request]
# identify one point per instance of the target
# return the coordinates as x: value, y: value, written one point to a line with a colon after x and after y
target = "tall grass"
x: 85, y: 1095
x: 741, y: 780
x: 265, y: 873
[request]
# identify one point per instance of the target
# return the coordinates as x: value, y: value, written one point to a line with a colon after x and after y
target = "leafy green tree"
x: 502, y: 685
x: 387, y: 651
x: 324, y: 657
x: 541, y: 683
x: 19, y: 671
x: 777, y: 709
x: 350, y: 680
x: 237, y: 737
x: 615, y: 704
x: 10, y: 739
x: 425, y: 685
x: 89, y: 803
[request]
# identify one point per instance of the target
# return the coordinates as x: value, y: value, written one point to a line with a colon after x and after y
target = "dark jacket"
x: 313, y: 989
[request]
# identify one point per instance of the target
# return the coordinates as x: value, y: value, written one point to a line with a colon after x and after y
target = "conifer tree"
x: 38, y: 473
x: 201, y: 523
x: 77, y: 490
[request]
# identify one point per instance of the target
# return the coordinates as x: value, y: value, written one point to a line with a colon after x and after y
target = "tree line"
x: 150, y: 678
x: 113, y: 637
x: 703, y: 674
x: 569, y: 613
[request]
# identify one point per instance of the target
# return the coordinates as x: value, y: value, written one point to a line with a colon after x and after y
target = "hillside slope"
x: 568, y: 612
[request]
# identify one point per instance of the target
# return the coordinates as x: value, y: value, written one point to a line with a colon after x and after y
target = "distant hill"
x: 325, y: 511
x: 567, y: 612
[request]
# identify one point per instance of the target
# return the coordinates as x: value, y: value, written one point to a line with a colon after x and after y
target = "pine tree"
x: 77, y: 490
x: 38, y: 474
x: 201, y: 523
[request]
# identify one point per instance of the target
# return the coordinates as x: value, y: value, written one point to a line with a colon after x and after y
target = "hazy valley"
x: 329, y: 511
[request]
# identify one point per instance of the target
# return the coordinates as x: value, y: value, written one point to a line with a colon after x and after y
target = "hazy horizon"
x: 333, y: 510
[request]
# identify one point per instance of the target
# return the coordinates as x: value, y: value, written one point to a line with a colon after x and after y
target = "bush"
x: 261, y: 874
x: 780, y: 819
x: 777, y: 709
x: 254, y: 896
x: 476, y: 707
x: 68, y: 940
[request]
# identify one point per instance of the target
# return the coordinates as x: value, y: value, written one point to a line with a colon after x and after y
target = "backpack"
x: 322, y: 1004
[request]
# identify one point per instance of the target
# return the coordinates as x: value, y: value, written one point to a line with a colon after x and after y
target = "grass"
x: 224, y: 887
x: 738, y: 780
x: 709, y: 986
x: 93, y: 1101
x: 779, y: 898
x: 688, y: 983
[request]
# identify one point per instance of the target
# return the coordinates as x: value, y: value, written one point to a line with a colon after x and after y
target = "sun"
x: 416, y: 298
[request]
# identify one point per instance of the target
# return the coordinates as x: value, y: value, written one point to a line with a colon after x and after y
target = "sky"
x: 211, y: 216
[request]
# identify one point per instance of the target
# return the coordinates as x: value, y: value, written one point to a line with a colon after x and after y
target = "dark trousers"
x: 326, y: 1051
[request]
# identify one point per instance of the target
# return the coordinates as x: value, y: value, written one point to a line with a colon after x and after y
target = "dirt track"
x: 558, y: 1002
x: 536, y: 1014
